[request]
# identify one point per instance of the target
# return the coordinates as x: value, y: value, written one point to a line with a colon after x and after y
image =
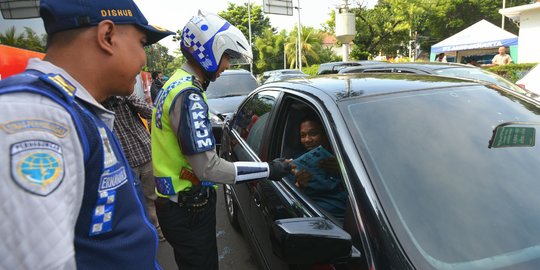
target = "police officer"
x: 68, y: 195
x: 183, y: 147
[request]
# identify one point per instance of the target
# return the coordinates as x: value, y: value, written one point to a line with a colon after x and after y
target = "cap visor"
x: 154, y: 34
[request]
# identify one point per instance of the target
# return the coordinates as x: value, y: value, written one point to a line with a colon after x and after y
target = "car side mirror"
x: 307, y: 241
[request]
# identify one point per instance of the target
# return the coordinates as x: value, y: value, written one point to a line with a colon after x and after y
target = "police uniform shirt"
x: 206, y: 165
x: 39, y: 139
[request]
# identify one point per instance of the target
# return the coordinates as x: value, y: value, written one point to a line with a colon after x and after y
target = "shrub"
x: 512, y: 72
x: 311, y: 70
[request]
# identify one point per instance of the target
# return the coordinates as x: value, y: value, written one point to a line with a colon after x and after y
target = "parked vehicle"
x: 438, y: 174
x: 225, y: 94
x: 282, y: 77
x: 444, y: 69
x: 267, y: 74
x: 335, y: 67
x: 531, y: 80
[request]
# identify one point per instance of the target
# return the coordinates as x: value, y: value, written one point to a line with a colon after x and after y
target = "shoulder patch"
x: 37, y: 166
x: 57, y: 129
x: 161, y: 99
x: 60, y: 83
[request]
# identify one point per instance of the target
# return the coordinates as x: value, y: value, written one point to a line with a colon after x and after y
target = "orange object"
x: 14, y: 60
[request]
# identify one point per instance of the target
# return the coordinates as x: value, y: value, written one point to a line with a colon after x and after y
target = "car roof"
x: 235, y: 71
x: 424, y: 66
x: 339, y: 87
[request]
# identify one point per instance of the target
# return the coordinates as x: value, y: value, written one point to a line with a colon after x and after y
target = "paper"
x: 310, y: 160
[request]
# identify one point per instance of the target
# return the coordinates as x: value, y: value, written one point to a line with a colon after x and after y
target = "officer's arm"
x: 189, y: 119
x: 42, y: 177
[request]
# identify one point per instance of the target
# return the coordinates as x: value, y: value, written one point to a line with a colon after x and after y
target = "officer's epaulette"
x: 59, y: 82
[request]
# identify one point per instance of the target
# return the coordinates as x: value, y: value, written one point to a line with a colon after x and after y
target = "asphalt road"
x: 233, y: 251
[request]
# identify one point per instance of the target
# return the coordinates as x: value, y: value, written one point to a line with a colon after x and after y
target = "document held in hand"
x: 309, y: 161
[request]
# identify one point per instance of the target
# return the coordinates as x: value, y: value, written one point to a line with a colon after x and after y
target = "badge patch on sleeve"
x: 37, y: 166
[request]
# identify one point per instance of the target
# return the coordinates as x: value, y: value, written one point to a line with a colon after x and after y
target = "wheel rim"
x: 229, y: 201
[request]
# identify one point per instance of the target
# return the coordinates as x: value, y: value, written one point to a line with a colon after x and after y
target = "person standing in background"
x: 135, y: 141
x: 501, y: 58
x: 157, y: 83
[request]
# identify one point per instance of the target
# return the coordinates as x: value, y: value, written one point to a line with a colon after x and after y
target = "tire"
x: 231, y: 207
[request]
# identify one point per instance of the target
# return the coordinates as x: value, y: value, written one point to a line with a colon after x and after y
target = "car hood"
x: 224, y: 105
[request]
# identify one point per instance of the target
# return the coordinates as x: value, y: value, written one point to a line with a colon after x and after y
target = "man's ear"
x: 105, y: 31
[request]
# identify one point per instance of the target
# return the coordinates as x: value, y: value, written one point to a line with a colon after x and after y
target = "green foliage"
x: 359, y: 55
x: 392, y: 24
x: 174, y: 65
x: 311, y: 46
x: 27, y: 40
x: 237, y: 15
x: 512, y: 72
x: 311, y: 70
x: 270, y: 48
x: 158, y: 58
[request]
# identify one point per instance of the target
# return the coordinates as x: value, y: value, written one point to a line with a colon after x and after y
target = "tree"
x: 311, y: 46
x: 270, y: 49
x: 27, y: 40
x: 237, y: 16
x: 158, y: 58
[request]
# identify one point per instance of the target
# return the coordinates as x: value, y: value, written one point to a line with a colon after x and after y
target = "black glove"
x: 279, y: 168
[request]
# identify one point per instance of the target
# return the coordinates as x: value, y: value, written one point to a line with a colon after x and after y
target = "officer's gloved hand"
x: 279, y: 168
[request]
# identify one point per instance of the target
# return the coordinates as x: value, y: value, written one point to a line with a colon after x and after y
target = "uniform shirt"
x: 38, y: 229
x: 501, y: 59
x: 130, y: 130
x: 206, y: 165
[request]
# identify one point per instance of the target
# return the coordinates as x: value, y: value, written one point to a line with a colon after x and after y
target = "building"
x: 528, y: 19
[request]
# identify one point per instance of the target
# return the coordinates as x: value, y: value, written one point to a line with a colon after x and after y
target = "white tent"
x: 481, y: 35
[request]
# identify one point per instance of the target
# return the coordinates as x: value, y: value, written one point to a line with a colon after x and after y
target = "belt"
x: 193, y: 199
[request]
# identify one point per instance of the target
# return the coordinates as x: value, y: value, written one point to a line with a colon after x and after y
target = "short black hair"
x: 155, y: 74
x: 311, y: 118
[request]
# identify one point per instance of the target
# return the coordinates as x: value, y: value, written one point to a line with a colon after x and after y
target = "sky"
x: 173, y: 14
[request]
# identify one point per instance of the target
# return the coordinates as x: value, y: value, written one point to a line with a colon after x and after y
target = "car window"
x: 228, y: 85
x: 427, y: 155
x: 253, y: 116
x: 305, y: 140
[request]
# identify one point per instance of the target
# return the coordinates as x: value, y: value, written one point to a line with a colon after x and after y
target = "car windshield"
x: 229, y: 85
x: 480, y: 74
x: 453, y: 202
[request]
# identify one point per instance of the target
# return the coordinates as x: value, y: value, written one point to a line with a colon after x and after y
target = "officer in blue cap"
x: 69, y: 199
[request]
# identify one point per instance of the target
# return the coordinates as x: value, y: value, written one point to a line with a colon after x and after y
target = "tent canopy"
x: 480, y: 35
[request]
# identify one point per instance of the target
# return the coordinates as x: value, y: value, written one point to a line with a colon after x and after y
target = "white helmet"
x: 207, y: 37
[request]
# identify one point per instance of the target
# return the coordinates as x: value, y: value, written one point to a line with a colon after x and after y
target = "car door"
x: 283, y: 199
x: 247, y: 141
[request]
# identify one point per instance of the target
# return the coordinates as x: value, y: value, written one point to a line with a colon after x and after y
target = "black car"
x: 443, y: 69
x: 225, y: 94
x: 335, y: 67
x: 440, y: 173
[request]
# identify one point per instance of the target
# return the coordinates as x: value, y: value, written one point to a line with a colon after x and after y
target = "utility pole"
x: 502, y: 19
x: 345, y: 28
x: 249, y: 26
x: 299, y: 62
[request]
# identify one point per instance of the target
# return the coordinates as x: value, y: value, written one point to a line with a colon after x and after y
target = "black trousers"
x: 191, y: 234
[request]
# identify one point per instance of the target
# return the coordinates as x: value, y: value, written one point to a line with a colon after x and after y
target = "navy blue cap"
x: 61, y: 15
